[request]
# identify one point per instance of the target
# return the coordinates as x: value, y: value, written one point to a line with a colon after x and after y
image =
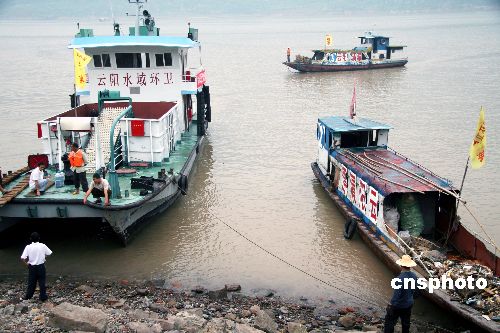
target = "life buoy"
x: 183, y: 184
x: 350, y: 228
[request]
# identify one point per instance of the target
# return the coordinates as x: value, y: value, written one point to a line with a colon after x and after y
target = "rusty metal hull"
x: 308, y: 68
x: 388, y: 254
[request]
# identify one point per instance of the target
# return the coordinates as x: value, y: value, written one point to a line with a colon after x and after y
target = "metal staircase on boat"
x: 100, y: 138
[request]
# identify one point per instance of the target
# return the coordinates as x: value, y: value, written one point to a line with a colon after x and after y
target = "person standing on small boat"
x: 99, y: 189
x: 288, y: 53
x: 3, y: 190
x: 402, y: 299
x: 78, y: 160
x: 38, y: 182
x: 34, y: 257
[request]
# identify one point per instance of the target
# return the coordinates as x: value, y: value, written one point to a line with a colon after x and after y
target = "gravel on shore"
x: 152, y: 306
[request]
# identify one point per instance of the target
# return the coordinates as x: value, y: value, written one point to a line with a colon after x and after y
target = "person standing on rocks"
x: 34, y: 256
x: 402, y: 299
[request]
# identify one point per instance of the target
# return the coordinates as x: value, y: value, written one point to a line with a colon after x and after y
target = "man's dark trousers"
x: 392, y: 316
x: 81, y: 178
x: 36, y: 274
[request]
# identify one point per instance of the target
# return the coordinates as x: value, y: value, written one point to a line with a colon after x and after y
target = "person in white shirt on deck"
x: 99, y: 189
x: 34, y: 256
x: 38, y: 182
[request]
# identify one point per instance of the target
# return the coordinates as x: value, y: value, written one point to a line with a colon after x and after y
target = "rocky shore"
x: 150, y: 306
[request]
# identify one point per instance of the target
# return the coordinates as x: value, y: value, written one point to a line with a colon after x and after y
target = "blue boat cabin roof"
x: 346, y: 124
x: 110, y: 41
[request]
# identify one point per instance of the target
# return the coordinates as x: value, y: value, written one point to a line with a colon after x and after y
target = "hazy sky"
x: 53, y: 9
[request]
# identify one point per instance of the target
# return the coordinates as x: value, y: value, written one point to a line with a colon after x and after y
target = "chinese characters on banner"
x: 80, y: 60
x: 478, y: 146
x: 344, y: 57
x: 135, y: 79
x: 362, y: 196
x: 201, y: 78
x: 344, y: 181
x: 328, y: 40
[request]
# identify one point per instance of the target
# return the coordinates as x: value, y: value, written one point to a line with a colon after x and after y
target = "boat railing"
x: 113, y: 177
x: 189, y: 75
x: 119, y: 156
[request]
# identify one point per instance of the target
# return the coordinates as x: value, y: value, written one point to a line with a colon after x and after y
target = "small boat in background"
x: 400, y: 207
x: 374, y: 52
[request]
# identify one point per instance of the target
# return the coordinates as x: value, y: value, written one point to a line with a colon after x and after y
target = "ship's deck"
x: 176, y: 161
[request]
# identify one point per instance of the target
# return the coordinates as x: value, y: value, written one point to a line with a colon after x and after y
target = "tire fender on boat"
x: 350, y: 228
x: 183, y: 184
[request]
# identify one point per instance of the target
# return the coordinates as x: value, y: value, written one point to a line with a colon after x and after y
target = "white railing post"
x: 50, y: 143
x: 151, y: 140
x: 61, y: 142
x: 97, y: 145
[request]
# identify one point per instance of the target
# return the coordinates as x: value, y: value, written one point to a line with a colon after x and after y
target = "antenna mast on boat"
x: 138, y: 15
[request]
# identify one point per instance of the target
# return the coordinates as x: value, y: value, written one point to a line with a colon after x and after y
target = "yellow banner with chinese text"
x: 81, y: 60
x: 478, y: 145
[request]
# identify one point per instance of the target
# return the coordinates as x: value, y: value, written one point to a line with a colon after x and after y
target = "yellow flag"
x: 81, y: 60
x: 478, y: 145
x: 328, y: 40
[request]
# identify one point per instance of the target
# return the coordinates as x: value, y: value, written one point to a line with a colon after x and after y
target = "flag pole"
x: 463, y: 179
x: 74, y: 99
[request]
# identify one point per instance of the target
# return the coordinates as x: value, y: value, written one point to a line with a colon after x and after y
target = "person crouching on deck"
x: 77, y: 160
x: 38, y: 181
x: 402, y: 299
x: 99, y: 189
x: 34, y: 257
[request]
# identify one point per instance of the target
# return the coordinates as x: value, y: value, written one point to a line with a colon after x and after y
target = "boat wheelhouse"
x: 400, y: 207
x: 140, y: 114
x: 373, y: 52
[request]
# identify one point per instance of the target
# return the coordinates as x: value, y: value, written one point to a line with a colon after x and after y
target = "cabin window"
x: 330, y: 138
x: 164, y: 59
x: 168, y: 59
x: 354, y: 139
x: 101, y: 60
x: 106, y: 60
x: 97, y: 60
x: 148, y: 62
x: 128, y: 60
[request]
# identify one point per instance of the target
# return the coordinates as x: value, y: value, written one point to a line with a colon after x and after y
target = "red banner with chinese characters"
x: 200, y: 79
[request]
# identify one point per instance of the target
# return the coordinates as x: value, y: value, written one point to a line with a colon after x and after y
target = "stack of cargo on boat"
x: 374, y: 52
x: 398, y: 206
x: 142, y: 124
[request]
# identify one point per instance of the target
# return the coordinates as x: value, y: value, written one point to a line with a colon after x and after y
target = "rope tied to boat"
x: 327, y: 283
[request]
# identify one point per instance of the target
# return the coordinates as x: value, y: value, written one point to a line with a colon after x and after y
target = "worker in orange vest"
x: 288, y: 52
x: 78, y: 160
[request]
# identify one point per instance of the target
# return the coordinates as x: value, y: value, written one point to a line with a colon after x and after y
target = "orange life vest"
x: 288, y: 51
x: 76, y: 159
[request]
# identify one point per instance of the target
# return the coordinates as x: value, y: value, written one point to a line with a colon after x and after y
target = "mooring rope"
x: 492, y: 242
x: 376, y: 305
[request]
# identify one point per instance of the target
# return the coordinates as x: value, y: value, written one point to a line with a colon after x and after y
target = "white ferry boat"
x: 139, y: 113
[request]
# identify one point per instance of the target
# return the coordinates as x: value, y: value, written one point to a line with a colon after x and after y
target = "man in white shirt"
x: 38, y: 182
x: 99, y: 189
x: 34, y: 256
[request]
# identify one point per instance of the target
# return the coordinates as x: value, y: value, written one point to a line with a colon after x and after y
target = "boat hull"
x: 124, y: 220
x: 388, y: 254
x: 309, y: 68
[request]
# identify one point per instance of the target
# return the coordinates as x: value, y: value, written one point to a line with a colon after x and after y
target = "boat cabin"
x: 377, y: 47
x: 387, y: 190
x: 136, y: 102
